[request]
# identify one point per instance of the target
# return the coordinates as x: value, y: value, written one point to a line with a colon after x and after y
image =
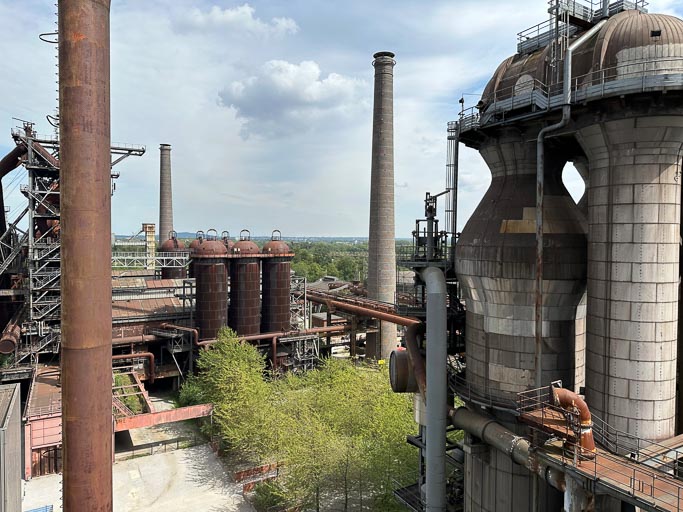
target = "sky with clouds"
x: 268, y: 104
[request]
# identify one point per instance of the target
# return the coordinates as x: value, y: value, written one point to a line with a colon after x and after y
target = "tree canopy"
x: 338, y: 430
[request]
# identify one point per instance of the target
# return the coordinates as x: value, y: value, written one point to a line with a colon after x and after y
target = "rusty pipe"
x: 500, y: 438
x: 274, y: 355
x: 270, y: 335
x: 146, y: 355
x: 11, y: 334
x: 9, y: 162
x: 191, y: 330
x: 570, y: 401
x: 12, y: 160
x: 85, y: 187
x: 366, y: 311
x: 416, y: 358
x: 140, y: 338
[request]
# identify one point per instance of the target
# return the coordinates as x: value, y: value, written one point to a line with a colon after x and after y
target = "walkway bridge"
x: 645, y: 474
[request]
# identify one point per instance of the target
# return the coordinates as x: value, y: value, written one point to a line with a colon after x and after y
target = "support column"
x: 85, y: 169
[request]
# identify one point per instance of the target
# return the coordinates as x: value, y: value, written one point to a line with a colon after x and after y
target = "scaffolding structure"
x: 30, y: 248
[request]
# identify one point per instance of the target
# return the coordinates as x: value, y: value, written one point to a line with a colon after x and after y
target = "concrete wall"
x: 10, y: 452
x: 633, y: 271
x: 495, y: 263
x: 493, y: 482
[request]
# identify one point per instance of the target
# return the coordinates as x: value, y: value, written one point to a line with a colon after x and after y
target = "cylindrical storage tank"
x: 194, y: 244
x: 245, y: 282
x: 496, y: 265
x: 633, y: 145
x: 227, y: 241
x: 170, y: 246
x: 277, y: 276
x: 211, y: 273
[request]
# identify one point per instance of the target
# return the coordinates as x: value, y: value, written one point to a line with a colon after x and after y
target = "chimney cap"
x: 164, y: 146
x: 391, y: 55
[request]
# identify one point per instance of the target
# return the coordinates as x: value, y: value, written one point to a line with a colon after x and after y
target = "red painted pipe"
x: 147, y: 355
x: 194, y: 332
x: 570, y: 401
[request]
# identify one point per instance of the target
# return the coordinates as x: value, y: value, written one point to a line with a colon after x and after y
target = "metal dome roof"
x: 635, y: 36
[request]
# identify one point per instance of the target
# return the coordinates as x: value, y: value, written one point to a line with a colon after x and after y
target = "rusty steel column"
x: 382, y: 237
x: 165, y: 193
x: 86, y: 254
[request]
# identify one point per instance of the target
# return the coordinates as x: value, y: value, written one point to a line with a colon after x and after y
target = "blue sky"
x: 268, y: 104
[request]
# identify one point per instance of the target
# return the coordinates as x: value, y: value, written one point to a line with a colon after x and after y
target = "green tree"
x: 339, y: 430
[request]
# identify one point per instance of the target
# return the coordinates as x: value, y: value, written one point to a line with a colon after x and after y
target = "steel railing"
x: 631, y: 77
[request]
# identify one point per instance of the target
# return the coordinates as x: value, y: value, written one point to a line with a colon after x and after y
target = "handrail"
x: 619, y: 443
x: 592, y: 85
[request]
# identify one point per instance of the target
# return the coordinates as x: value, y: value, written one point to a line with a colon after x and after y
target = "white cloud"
x: 241, y: 18
x: 176, y: 67
x: 283, y: 97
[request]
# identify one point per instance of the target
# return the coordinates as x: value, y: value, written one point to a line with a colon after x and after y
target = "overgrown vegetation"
x: 339, y: 431
x: 134, y: 402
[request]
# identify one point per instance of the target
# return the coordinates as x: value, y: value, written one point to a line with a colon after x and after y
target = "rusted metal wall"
x: 276, y: 283
x: 211, y: 272
x: 245, y: 300
x: 173, y: 245
x: 85, y: 168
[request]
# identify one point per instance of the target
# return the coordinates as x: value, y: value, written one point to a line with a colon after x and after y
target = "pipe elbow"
x: 570, y: 401
x: 434, y: 279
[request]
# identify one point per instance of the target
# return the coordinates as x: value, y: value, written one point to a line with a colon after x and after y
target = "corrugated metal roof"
x: 45, y: 397
x: 139, y: 307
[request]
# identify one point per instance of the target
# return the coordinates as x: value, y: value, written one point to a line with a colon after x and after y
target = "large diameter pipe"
x: 140, y: 338
x: 165, y: 193
x: 416, y: 358
x: 12, y: 160
x: 85, y: 168
x: 500, y: 438
x: 569, y: 400
x: 11, y: 334
x: 393, y: 318
x: 540, y: 192
x: 435, y: 284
